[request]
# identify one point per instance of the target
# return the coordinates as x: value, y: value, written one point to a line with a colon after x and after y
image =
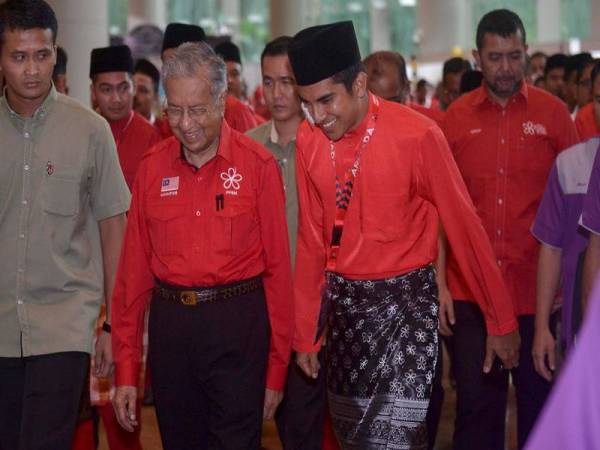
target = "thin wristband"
x: 106, y: 327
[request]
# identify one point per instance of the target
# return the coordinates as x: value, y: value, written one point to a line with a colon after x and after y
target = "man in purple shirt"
x: 563, y: 241
x: 590, y: 220
x: 571, y: 416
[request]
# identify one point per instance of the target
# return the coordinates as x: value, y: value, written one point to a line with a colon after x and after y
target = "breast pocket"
x: 166, y: 225
x: 61, y: 196
x: 383, y: 216
x: 236, y: 228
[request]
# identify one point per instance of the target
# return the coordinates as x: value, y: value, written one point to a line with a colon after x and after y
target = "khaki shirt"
x: 59, y: 176
x: 266, y: 134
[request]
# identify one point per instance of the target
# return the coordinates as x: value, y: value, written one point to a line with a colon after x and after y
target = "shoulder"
x: 161, y: 151
x: 249, y: 147
x: 400, y: 121
x: 465, y: 103
x: 545, y: 101
x: 574, y: 165
x: 261, y: 133
x: 74, y: 113
x: 143, y: 125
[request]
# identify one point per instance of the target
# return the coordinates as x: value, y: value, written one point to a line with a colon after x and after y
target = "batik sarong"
x: 382, y: 343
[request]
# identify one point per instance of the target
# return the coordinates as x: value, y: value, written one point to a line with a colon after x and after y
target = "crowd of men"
x: 302, y: 260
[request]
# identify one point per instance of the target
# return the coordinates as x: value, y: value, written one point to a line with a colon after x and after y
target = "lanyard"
x: 343, y: 192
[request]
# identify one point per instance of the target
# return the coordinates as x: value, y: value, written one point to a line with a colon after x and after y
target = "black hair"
x: 61, y: 62
x: 595, y: 72
x: 277, y: 47
x: 502, y: 22
x: 145, y: 67
x: 348, y: 75
x: 576, y: 63
x: 421, y: 83
x: 455, y: 65
x: 27, y: 15
x: 470, y: 81
x: 558, y: 60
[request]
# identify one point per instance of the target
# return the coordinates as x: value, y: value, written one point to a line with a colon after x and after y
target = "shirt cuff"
x: 276, y: 376
x: 494, y: 329
x: 127, y: 373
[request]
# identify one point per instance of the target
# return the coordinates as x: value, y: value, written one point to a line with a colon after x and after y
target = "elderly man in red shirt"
x: 374, y: 180
x: 505, y: 136
x: 207, y: 240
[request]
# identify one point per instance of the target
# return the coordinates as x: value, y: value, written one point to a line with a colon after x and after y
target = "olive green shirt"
x: 266, y: 134
x: 59, y: 176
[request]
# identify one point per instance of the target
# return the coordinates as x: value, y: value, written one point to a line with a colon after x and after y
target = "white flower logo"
x: 529, y: 128
x: 231, y: 179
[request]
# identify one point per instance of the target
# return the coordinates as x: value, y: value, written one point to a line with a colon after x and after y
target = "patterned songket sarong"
x: 381, y: 353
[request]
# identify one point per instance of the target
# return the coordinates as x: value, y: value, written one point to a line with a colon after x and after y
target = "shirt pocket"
x: 383, y: 215
x: 166, y: 226
x: 235, y: 230
x: 60, y: 196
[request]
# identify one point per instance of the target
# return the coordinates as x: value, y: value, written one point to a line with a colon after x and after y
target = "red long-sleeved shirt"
x: 505, y: 156
x: 407, y: 183
x: 180, y: 232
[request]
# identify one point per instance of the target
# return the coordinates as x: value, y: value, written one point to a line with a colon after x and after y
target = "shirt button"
x: 20, y: 270
x: 498, y: 232
x: 20, y: 301
x: 198, y: 213
x: 26, y: 167
x: 24, y: 202
x: 22, y: 236
x: 26, y: 135
x: 501, y: 171
x: 502, y: 140
x: 499, y: 262
x: 500, y: 201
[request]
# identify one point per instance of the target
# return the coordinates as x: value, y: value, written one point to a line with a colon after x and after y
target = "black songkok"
x: 147, y: 68
x: 319, y: 52
x: 178, y: 33
x: 229, y: 52
x: 111, y: 59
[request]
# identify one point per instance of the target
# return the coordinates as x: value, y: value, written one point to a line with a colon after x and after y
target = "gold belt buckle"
x: 189, y: 298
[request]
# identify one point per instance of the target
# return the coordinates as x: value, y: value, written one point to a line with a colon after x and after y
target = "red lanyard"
x: 343, y: 192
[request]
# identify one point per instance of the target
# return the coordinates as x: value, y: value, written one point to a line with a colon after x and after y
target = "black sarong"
x: 382, y: 347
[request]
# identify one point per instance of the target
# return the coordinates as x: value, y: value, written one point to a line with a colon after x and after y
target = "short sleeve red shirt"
x: 222, y: 223
x: 586, y: 124
x: 505, y: 156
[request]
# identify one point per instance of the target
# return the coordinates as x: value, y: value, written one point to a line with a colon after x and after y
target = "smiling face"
x: 113, y: 93
x: 502, y: 62
x: 27, y: 58
x: 194, y: 115
x: 332, y: 107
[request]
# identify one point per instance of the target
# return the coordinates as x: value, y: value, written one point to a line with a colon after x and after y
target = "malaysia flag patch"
x: 169, y: 184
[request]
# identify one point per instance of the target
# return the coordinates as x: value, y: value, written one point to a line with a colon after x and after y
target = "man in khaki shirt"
x: 62, y: 205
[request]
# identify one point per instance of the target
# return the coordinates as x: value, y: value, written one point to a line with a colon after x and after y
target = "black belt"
x: 194, y: 296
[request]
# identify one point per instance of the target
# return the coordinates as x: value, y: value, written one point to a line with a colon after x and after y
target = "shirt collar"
x: 482, y: 94
x: 274, y: 134
x: 38, y: 115
x: 224, y: 150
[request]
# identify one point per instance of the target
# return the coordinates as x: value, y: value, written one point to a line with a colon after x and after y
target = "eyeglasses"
x: 197, y: 113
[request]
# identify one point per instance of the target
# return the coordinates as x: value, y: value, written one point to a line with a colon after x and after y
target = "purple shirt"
x: 557, y: 220
x: 572, y: 413
x: 590, y: 217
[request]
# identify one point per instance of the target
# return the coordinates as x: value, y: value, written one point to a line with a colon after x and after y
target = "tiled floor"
x: 151, y: 438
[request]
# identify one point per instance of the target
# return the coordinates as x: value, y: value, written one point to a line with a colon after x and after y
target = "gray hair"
x: 191, y: 57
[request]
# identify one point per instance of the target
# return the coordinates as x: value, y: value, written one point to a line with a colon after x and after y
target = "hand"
x: 506, y: 347
x: 309, y: 363
x: 272, y: 401
x: 544, y: 346
x: 124, y: 404
x: 446, y: 312
x: 103, y: 358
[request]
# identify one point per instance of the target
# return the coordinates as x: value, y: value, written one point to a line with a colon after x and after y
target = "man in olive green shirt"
x: 62, y: 205
x: 301, y: 414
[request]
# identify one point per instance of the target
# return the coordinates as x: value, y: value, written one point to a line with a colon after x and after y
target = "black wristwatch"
x: 106, y: 327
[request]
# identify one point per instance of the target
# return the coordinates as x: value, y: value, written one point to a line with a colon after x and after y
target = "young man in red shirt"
x: 374, y: 180
x: 504, y: 136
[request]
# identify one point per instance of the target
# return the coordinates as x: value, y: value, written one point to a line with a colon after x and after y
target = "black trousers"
x: 301, y: 416
x: 39, y: 400
x: 481, y: 398
x: 208, y: 366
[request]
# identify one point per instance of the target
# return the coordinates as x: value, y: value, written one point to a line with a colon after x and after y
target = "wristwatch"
x: 106, y: 327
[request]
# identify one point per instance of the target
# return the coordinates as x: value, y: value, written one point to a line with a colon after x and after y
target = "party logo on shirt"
x: 231, y: 180
x: 532, y: 129
x: 49, y: 168
x: 169, y: 186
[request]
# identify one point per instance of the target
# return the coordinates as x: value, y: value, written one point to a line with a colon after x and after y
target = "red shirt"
x: 505, y: 156
x: 162, y: 125
x: 179, y: 233
x: 133, y: 135
x: 435, y: 114
x: 406, y: 183
x: 585, y: 122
